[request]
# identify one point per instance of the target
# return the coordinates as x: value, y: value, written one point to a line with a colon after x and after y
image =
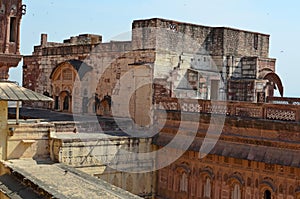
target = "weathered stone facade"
x: 94, y: 154
x: 190, y: 61
x: 255, y: 156
x: 252, y: 158
x: 11, y: 12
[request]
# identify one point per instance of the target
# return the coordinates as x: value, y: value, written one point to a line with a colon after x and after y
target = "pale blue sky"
x: 61, y: 19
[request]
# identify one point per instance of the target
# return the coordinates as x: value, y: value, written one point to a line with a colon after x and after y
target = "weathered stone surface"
x: 10, y: 17
x: 60, y: 181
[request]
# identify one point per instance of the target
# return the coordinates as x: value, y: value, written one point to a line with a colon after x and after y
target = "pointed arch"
x: 79, y: 66
x: 236, y: 177
x: 273, y: 77
x: 66, y: 77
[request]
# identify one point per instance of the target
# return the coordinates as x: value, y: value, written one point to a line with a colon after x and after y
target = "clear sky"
x: 61, y: 19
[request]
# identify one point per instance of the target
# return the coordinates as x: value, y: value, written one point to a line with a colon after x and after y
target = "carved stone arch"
x: 266, y: 192
x: 236, y: 176
x: 207, y: 171
x: 273, y: 77
x: 268, y: 183
x: 263, y: 72
x: 66, y: 76
x: 267, y: 188
x: 81, y: 67
x: 182, y: 174
x: 183, y: 167
x: 237, y: 185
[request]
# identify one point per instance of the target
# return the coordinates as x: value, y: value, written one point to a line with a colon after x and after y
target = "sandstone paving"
x: 65, y: 182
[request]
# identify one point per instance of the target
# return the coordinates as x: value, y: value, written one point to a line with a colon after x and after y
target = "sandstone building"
x: 255, y: 157
x: 82, y: 74
x: 11, y: 12
x: 190, y: 71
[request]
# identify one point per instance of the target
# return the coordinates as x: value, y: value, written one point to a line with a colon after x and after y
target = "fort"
x: 99, y: 106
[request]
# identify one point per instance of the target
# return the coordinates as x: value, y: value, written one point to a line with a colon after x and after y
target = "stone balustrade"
x: 283, y: 112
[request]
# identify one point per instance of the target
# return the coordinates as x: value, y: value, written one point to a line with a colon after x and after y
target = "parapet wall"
x: 154, y: 33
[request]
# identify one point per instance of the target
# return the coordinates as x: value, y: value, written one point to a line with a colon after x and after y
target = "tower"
x: 11, y: 12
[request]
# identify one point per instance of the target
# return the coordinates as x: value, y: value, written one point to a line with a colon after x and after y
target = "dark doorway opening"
x: 56, y: 105
x: 267, y: 195
x: 66, y: 103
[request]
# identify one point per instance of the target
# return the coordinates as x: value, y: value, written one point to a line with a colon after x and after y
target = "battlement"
x: 84, y: 39
x: 81, y: 44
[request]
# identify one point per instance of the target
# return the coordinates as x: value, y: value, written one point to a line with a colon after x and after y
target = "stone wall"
x: 38, y: 67
x: 258, y: 156
x: 28, y: 140
x: 253, y: 178
x: 10, y: 39
x: 11, y: 12
x: 94, y: 153
x: 164, y: 49
x: 152, y: 33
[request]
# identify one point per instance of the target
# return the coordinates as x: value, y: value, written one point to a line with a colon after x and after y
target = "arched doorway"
x: 65, y: 101
x: 267, y: 194
x: 63, y: 79
x: 105, y: 106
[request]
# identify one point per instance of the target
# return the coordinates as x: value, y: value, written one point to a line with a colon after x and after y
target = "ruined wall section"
x: 237, y: 54
x: 127, y: 80
x: 242, y: 43
x: 179, y: 47
x: 157, y: 33
x: 38, y: 67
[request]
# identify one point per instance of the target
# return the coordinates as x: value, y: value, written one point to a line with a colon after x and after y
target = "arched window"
x: 184, y: 183
x: 236, y: 192
x: 207, y: 188
x: 267, y: 194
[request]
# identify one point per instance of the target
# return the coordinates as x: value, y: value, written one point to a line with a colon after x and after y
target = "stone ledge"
x: 61, y: 181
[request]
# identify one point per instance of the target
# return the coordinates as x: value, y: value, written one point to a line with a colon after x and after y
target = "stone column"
x: 7, y: 35
x: 3, y: 129
x: 18, y: 39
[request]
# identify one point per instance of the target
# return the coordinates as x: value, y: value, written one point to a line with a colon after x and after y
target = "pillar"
x: 3, y: 129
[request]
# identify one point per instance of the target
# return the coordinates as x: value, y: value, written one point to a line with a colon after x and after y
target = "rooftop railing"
x: 283, y: 112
